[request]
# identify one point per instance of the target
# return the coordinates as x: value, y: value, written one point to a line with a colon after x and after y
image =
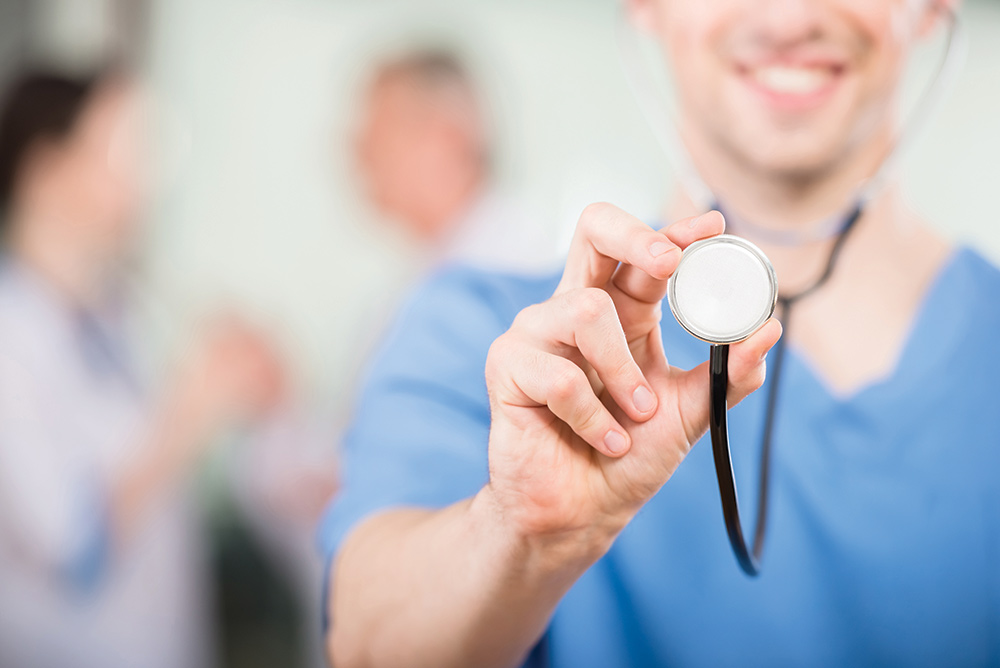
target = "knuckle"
x: 624, y: 369
x: 591, y: 304
x: 564, y: 385
x: 526, y: 316
x: 496, y: 355
x: 588, y: 417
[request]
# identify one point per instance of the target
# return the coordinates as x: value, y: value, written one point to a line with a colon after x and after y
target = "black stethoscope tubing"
x: 749, y: 560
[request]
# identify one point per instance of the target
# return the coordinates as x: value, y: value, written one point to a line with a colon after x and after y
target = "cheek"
x: 887, y: 31
x: 881, y: 70
x: 688, y: 35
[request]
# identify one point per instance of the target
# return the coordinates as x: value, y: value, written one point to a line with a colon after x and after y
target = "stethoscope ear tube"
x: 719, y: 430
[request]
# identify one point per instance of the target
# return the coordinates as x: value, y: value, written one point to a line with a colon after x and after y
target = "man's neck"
x: 853, y: 329
x: 801, y: 206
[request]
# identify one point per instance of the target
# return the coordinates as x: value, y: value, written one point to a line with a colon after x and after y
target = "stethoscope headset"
x: 725, y: 289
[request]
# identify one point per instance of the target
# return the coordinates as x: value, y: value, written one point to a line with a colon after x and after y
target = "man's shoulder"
x: 976, y: 281
x: 963, y: 313
x: 973, y: 260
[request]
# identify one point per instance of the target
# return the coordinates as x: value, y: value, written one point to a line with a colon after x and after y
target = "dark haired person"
x: 562, y: 501
x: 100, y: 563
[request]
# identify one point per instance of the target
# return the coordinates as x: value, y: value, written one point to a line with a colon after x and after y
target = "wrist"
x: 543, y: 554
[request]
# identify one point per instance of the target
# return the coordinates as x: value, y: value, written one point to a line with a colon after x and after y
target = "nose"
x: 785, y: 22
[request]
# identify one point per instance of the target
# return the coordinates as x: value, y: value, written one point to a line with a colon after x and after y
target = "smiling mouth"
x: 792, y: 86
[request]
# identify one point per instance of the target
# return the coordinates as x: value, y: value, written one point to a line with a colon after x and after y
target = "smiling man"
x: 562, y: 514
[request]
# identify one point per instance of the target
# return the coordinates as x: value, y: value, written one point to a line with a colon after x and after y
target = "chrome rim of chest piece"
x: 723, y: 290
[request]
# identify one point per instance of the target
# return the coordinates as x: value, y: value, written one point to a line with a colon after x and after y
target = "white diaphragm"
x: 723, y: 290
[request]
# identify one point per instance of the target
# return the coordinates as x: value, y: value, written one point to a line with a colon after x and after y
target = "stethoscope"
x: 724, y: 288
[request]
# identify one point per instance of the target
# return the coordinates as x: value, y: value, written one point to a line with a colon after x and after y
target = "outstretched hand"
x: 589, y: 420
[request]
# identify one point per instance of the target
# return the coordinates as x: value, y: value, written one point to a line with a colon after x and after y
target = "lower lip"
x: 793, y: 102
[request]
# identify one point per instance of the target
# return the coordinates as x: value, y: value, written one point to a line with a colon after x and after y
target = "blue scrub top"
x: 884, y: 533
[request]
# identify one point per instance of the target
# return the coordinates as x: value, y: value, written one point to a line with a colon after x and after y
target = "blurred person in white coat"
x: 100, y: 558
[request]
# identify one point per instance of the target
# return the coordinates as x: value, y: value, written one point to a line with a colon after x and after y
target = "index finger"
x: 647, y: 289
x: 605, y: 237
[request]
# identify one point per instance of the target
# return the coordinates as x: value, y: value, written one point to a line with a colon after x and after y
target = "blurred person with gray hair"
x: 100, y: 556
x: 424, y: 149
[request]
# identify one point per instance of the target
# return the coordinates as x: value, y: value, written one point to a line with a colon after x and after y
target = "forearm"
x: 455, y: 587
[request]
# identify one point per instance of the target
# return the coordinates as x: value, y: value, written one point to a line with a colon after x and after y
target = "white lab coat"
x: 71, y: 414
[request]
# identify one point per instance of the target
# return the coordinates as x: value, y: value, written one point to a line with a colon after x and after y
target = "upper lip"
x: 804, y: 60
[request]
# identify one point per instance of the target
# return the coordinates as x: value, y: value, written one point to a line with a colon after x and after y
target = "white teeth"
x: 794, y: 80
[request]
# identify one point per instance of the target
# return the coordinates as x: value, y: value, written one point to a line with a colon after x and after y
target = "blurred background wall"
x: 269, y: 92
x: 266, y: 90
x: 259, y: 98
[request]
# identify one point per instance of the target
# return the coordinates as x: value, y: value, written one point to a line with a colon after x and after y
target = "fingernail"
x: 643, y: 399
x: 615, y: 442
x: 696, y: 221
x: 658, y: 248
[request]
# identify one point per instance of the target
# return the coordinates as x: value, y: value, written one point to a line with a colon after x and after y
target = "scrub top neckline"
x: 921, y: 325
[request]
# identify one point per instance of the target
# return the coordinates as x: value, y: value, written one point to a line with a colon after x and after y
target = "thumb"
x: 747, y: 365
x: 747, y: 369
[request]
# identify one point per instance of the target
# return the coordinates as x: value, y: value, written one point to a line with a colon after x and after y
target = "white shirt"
x: 497, y: 234
x: 71, y: 413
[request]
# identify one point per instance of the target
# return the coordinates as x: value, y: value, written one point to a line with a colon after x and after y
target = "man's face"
x: 419, y: 151
x: 785, y: 86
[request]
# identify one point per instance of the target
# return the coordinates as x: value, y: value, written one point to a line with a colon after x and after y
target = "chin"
x: 790, y: 164
x: 802, y: 153
x: 786, y: 132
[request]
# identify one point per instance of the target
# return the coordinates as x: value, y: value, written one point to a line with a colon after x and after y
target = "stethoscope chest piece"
x: 723, y: 290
